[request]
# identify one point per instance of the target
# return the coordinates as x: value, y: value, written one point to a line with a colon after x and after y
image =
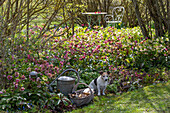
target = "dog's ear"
x: 101, y: 72
x: 108, y: 72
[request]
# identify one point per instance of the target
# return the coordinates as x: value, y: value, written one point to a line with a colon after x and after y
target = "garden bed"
x: 124, y: 52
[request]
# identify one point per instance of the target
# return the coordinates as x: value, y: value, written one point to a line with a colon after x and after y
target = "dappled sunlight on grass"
x: 154, y: 98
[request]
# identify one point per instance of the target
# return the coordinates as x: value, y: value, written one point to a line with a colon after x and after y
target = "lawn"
x: 153, y: 98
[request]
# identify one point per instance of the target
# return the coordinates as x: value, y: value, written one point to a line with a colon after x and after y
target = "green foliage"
x: 113, y: 88
x: 87, y: 77
x: 58, y: 102
x: 134, y: 62
x: 34, y: 101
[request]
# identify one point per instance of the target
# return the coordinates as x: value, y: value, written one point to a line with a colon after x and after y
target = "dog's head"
x: 105, y: 75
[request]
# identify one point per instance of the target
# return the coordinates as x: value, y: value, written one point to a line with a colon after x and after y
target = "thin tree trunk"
x: 140, y: 21
x: 72, y: 21
x: 154, y: 11
x: 165, y: 15
x: 127, y: 11
x: 168, y: 17
x: 1, y: 2
x: 160, y: 19
x: 28, y: 2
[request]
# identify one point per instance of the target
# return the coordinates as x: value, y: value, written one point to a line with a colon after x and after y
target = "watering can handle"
x: 63, y: 73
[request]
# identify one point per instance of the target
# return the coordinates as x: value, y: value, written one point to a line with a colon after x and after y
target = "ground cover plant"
x: 135, y: 61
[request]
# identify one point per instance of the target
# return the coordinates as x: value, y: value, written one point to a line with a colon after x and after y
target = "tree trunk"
x: 140, y: 21
x: 168, y: 17
x: 155, y: 13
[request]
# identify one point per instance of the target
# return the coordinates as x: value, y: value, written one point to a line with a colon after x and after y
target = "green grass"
x: 154, y: 98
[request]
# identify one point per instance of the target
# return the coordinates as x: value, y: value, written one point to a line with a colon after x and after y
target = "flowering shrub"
x: 124, y: 52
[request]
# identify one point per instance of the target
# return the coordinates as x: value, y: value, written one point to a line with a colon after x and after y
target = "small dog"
x: 99, y: 84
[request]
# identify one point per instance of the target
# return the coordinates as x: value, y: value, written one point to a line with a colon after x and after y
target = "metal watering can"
x: 65, y: 83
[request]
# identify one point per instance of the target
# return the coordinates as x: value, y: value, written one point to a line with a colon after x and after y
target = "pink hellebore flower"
x: 17, y: 80
x: 22, y: 89
x: 51, y: 65
x: 38, y: 78
x: 16, y: 74
x: 1, y: 92
x: 80, y: 58
x: 105, y: 42
x: 40, y: 28
x: 94, y: 50
x: 114, y: 69
x: 28, y: 56
x: 41, y: 65
x: 65, y: 56
x: 23, y: 77
x: 68, y: 63
x: 39, y: 86
x: 9, y: 77
x: 16, y: 85
x: 33, y: 32
x: 31, y: 78
x: 28, y: 69
x: 56, y: 40
x: 34, y: 60
x: 46, y: 72
x: 36, y: 69
x: 12, y: 57
x: 47, y: 64
x: 61, y: 62
x: 49, y: 75
x: 98, y: 46
x: 84, y: 57
x: 132, y: 48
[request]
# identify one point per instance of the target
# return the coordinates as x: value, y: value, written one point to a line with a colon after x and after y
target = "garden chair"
x: 116, y: 16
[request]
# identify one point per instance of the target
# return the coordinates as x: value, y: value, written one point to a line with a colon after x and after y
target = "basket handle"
x: 75, y: 87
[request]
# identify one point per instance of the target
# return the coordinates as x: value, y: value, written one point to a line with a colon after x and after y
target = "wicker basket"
x: 81, y: 101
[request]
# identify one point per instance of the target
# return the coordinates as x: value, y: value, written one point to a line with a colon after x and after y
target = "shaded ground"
x: 154, y: 98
